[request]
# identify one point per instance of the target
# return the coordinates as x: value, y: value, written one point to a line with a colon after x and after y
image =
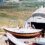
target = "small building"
x: 38, y: 18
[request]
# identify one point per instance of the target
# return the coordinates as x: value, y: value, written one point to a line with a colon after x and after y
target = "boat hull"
x: 24, y: 35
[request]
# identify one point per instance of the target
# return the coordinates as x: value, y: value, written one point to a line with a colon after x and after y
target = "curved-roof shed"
x: 38, y: 16
x: 40, y: 10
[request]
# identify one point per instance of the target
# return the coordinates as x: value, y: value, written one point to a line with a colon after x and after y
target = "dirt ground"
x: 2, y: 39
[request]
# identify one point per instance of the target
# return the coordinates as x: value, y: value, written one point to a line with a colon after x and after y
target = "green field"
x: 11, y: 12
x: 9, y: 17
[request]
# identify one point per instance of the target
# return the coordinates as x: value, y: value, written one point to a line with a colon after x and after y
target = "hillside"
x: 21, y: 3
x: 23, y: 9
x: 11, y: 11
x: 14, y: 14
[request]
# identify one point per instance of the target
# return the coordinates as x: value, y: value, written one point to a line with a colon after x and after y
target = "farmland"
x: 9, y: 12
x: 8, y: 16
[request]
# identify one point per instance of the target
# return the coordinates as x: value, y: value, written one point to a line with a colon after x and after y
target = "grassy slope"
x: 7, y: 14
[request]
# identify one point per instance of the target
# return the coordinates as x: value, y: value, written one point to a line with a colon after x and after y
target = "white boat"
x: 23, y: 32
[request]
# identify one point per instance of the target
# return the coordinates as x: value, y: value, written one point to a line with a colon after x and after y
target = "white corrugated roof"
x: 40, y: 18
x: 40, y: 10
